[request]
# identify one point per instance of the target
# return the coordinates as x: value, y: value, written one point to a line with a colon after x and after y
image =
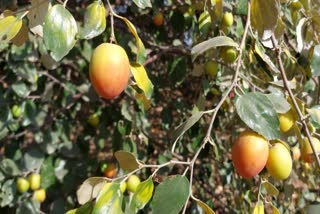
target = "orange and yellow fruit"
x: 250, y: 154
x: 158, y: 19
x: 111, y: 171
x: 286, y: 121
x: 306, y: 150
x: 109, y: 70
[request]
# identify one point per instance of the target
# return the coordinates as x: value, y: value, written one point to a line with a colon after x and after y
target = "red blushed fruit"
x: 109, y: 70
x: 250, y: 154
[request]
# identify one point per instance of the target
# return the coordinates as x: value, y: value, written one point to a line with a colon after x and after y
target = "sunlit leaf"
x: 141, y: 77
x: 127, y: 160
x: 204, y: 22
x: 37, y: 15
x: 315, y: 61
x: 272, y: 190
x: 206, y: 209
x: 279, y: 103
x: 142, y: 195
x: 275, y: 210
x: 89, y: 189
x: 258, y: 113
x: 171, y: 195
x: 212, y: 43
x: 261, y: 52
x: 9, y: 167
x: 10, y: 26
x: 143, y: 3
x: 94, y: 20
x: 259, y: 208
x: 109, y: 200
x: 314, y: 113
x: 59, y: 32
x: 84, y: 209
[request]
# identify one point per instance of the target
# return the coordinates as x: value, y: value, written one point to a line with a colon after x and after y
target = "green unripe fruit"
x: 16, y: 111
x: 229, y: 54
x: 211, y: 68
x: 133, y: 183
x: 103, y: 167
x: 296, y: 5
x: 35, y: 181
x: 94, y: 120
x: 227, y: 19
x: 22, y: 185
x: 123, y: 187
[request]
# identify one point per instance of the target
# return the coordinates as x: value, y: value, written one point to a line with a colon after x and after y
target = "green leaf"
x: 271, y: 190
x: 212, y: 43
x: 141, y: 77
x: 264, y: 16
x: 315, y: 61
x: 181, y: 129
x: 21, y: 89
x: 279, y: 103
x: 258, y: 48
x: 242, y: 7
x: 143, y: 3
x: 204, y: 22
x: 178, y: 70
x: 89, y: 189
x: 127, y: 160
x: 259, y: 208
x: 171, y: 195
x: 33, y: 159
x: 314, y: 113
x: 84, y: 209
x: 7, y: 194
x: 94, y: 20
x: 142, y: 195
x: 258, y: 113
x: 9, y: 167
x: 313, y: 208
x: 109, y: 200
x: 59, y: 32
x: 205, y: 208
x: 47, y: 173
x: 27, y: 207
x: 10, y: 27
x: 37, y: 15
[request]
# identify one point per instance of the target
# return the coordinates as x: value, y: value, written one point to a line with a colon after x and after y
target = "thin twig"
x: 295, y: 104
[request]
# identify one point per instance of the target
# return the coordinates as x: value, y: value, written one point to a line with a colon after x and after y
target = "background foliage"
x: 48, y: 79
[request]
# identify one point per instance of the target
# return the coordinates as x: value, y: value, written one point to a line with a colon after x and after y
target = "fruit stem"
x: 112, y: 37
x: 295, y: 104
x: 65, y: 3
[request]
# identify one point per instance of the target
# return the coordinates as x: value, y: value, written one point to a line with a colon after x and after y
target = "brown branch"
x: 295, y: 104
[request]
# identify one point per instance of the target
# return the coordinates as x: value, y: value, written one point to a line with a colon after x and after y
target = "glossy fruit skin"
x: 229, y: 54
x: 286, y: 121
x: 34, y: 180
x: 158, y: 19
x: 109, y: 70
x: 132, y: 183
x: 94, y: 120
x: 22, y: 185
x: 111, y: 171
x: 250, y: 154
x: 40, y: 195
x: 306, y: 149
x: 16, y: 111
x: 211, y: 68
x: 279, y: 164
x: 227, y: 19
x: 123, y: 187
x: 296, y: 153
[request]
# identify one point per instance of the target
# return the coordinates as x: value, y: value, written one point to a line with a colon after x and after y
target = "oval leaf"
x: 10, y: 26
x: 258, y: 113
x: 212, y: 43
x: 127, y: 160
x: 143, y: 3
x: 142, y: 195
x: 90, y: 189
x: 171, y: 195
x: 84, y: 209
x: 206, y: 209
x: 259, y: 208
x: 109, y: 200
x: 279, y: 103
x: 204, y: 22
x: 141, y: 77
x: 94, y: 20
x: 59, y: 32
x: 272, y: 190
x: 314, y: 113
x: 37, y: 15
x: 315, y: 61
x: 264, y: 16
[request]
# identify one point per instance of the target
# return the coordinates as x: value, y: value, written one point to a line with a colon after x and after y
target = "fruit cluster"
x: 33, y: 182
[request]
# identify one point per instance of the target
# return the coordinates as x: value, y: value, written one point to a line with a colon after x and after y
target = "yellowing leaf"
x: 90, y: 189
x: 259, y: 208
x: 206, y: 209
x: 142, y: 195
x: 10, y: 26
x: 22, y: 36
x: 275, y: 210
x: 142, y: 98
x: 142, y: 79
x: 37, y: 15
x: 272, y: 190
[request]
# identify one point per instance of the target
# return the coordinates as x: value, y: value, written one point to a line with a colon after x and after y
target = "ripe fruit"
x: 279, y: 164
x: 16, y: 111
x: 306, y: 149
x: 227, y: 19
x: 211, y: 68
x: 94, y: 120
x: 22, y: 185
x: 40, y: 195
x: 286, y: 121
x: 132, y: 183
x: 109, y: 70
x: 123, y: 187
x: 296, y: 153
x: 34, y: 180
x: 250, y: 154
x: 229, y: 54
x: 158, y: 19
x: 111, y: 171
